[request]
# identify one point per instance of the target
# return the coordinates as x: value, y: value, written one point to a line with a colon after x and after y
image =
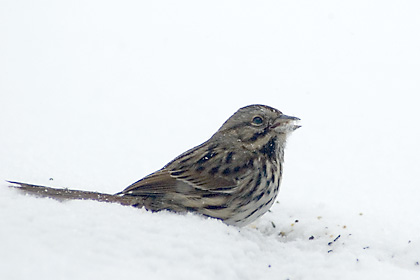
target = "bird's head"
x: 255, y: 125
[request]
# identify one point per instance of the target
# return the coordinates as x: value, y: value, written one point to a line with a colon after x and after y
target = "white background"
x: 95, y: 95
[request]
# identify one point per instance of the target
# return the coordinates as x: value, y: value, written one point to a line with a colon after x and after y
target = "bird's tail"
x: 67, y: 194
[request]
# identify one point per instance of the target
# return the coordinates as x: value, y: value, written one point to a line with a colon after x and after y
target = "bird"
x: 234, y: 176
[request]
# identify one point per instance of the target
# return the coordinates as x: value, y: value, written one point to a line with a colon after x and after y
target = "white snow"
x: 95, y: 95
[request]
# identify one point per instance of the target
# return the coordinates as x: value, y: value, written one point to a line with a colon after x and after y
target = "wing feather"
x: 183, y: 174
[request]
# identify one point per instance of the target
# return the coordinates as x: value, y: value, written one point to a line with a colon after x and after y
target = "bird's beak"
x: 286, y: 123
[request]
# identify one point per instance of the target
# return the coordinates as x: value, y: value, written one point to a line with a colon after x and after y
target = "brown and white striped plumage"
x: 234, y: 176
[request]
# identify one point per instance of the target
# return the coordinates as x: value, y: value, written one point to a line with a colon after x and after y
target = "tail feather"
x: 67, y: 194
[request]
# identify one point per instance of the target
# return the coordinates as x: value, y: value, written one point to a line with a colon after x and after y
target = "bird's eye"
x: 257, y: 120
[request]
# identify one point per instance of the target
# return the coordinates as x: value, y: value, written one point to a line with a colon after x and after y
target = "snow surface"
x: 95, y: 95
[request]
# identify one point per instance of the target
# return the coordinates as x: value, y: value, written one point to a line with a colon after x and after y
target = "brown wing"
x: 193, y: 170
x: 159, y: 182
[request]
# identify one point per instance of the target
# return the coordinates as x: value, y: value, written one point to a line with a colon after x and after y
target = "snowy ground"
x: 95, y: 95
